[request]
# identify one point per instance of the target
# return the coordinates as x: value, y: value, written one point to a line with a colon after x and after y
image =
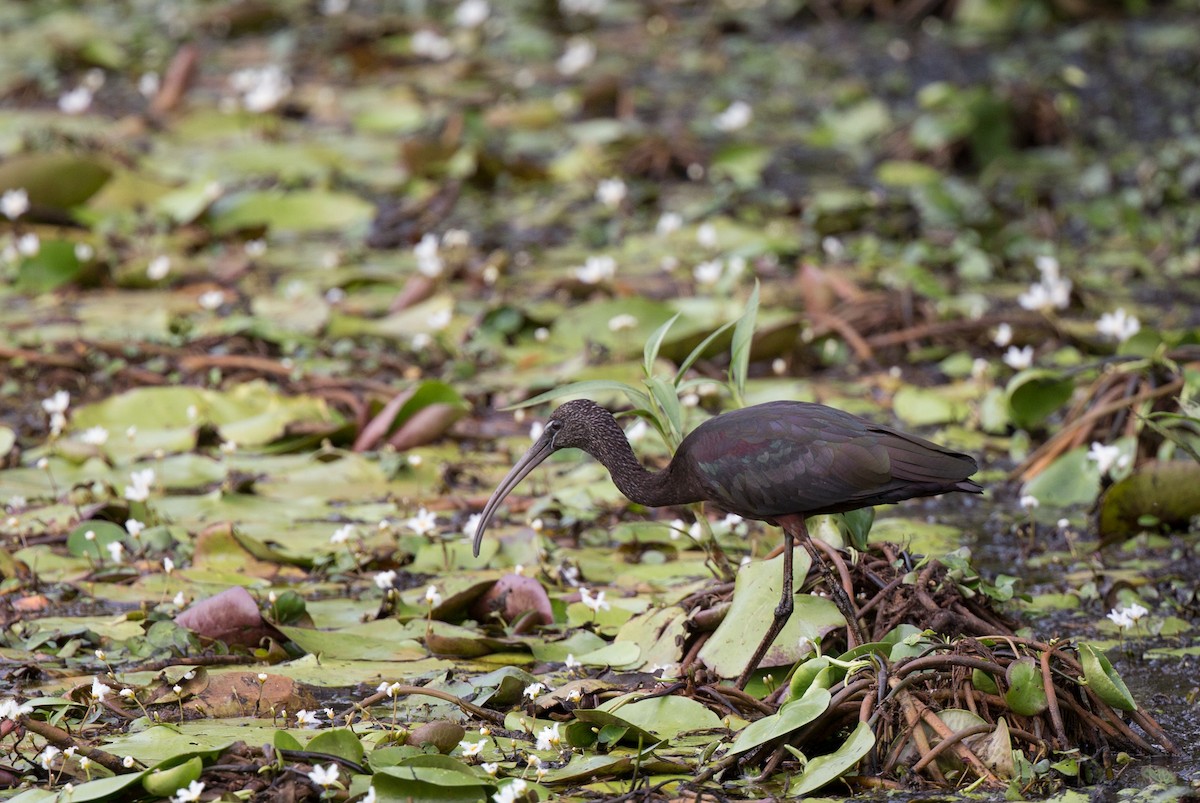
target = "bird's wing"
x: 770, y: 473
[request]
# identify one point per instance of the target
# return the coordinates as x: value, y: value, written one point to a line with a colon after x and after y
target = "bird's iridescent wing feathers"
x: 792, y: 457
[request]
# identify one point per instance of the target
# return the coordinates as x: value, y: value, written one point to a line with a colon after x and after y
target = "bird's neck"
x: 650, y: 488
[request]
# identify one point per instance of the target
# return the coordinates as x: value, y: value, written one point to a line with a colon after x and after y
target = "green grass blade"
x: 743, y: 336
x: 698, y: 352
x: 668, y: 403
x: 655, y: 343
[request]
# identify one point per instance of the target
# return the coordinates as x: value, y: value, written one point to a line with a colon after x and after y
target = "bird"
x: 778, y: 462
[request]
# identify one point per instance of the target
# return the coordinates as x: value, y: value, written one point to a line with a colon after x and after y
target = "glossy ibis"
x: 778, y: 462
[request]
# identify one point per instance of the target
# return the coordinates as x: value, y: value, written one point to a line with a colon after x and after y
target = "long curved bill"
x: 542, y: 448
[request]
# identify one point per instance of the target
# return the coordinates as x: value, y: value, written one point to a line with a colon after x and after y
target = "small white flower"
x: 541, y: 334
x: 421, y: 341
x: 1003, y: 335
x: 307, y: 719
x: 638, y: 431
x: 423, y: 523
x: 668, y: 223
x: 706, y: 235
x: 1051, y: 292
x: 140, y: 484
x: 611, y: 192
x: 261, y: 89
x: 549, y: 738
x: 168, y: 565
x: 596, y: 603
x: 471, y: 749
x: 574, y: 695
x: 533, y: 690
x: 42, y: 464
x: 512, y: 792
x: 490, y: 767
x: 28, y: 245
x: 429, y: 260
x: 255, y: 248
x: 736, y: 116
x: 709, y: 272
x: 334, y: 8
x: 99, y: 690
x: 1029, y: 502
x: 47, y: 756
x: 622, y: 322
x: 385, y: 580
x: 95, y: 436
x: 179, y: 600
x: 1018, y: 358
x: 116, y: 551
x: 596, y: 269
x: 440, y: 320
x: 833, y: 247
x: 471, y: 13
x: 536, y: 429
x: 1121, y: 618
x: 578, y: 56
x: 148, y: 84
x: 14, y: 203
x: 84, y: 252
x: 431, y: 45
x: 11, y: 709
x: 211, y: 299
x: 342, y: 534
x: 1106, y: 457
x: 572, y: 662
x: 324, y: 776
x: 432, y: 597
x: 1118, y: 325
x: 1136, y: 612
x: 159, y: 268
x: 134, y: 527
x: 58, y: 403
x: 77, y: 101
x: 472, y: 525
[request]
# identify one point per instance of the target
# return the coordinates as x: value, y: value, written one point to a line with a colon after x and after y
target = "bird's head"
x: 573, y: 425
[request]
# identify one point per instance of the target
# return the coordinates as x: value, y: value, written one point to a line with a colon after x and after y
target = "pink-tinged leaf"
x: 231, y: 616
x: 379, y: 426
x: 426, y: 425
x: 517, y: 599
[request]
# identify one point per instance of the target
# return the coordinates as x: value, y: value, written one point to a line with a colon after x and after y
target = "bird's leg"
x: 837, y: 592
x: 783, y: 611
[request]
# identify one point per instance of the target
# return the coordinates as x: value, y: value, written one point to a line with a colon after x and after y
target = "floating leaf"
x: 91, y: 539
x: 789, y: 719
x: 1166, y: 491
x: 1034, y: 394
x: 825, y: 769
x: 54, y: 265
x: 165, y: 782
